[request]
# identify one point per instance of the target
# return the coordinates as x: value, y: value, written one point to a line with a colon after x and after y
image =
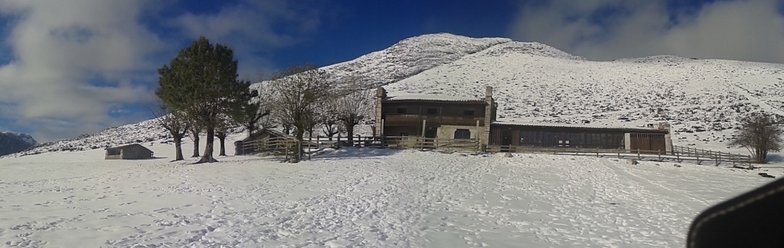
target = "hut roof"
x: 432, y: 97
x: 126, y: 146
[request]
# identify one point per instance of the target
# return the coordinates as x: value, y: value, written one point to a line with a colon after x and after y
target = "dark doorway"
x: 430, y: 134
x: 506, y: 140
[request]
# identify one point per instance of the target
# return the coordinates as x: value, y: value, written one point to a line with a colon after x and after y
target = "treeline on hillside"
x: 199, y: 92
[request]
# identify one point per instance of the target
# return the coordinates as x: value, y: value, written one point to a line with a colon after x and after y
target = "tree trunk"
x: 222, y: 147
x: 298, y: 154
x: 222, y: 138
x: 196, y: 146
x: 208, y: 148
x: 350, y: 132
x: 178, y: 148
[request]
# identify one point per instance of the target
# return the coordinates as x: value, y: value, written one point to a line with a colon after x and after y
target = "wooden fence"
x: 273, y: 145
x: 430, y: 143
x: 678, y: 153
x: 288, y: 146
x: 707, y: 155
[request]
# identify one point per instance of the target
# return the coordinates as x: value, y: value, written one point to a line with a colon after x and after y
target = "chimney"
x: 381, y: 92
x: 489, y: 91
x: 381, y: 95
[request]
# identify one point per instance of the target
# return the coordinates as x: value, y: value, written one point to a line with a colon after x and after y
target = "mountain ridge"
x: 12, y: 142
x: 703, y: 99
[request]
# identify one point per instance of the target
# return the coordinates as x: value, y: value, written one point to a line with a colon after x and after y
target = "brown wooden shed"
x: 534, y: 135
x: 133, y: 151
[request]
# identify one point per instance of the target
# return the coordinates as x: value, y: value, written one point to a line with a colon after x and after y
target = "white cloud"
x: 252, y: 27
x: 70, y: 66
x: 609, y: 29
x: 58, y: 48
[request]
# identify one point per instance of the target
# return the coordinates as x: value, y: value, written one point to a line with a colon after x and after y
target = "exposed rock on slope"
x: 15, y: 142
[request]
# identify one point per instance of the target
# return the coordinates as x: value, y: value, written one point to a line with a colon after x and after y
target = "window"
x: 401, y: 110
x: 432, y: 111
x: 468, y: 112
x: 462, y: 134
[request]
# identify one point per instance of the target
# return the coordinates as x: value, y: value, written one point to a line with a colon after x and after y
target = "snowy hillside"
x: 145, y: 131
x: 411, y: 56
x: 11, y: 142
x: 535, y: 83
x: 702, y: 99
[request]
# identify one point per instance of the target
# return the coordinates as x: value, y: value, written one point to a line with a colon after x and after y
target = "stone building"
x: 434, y: 116
x: 134, y: 151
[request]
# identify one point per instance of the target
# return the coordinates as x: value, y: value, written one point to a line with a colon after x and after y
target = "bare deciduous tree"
x: 176, y: 124
x: 298, y: 90
x: 327, y: 118
x: 355, y: 104
x: 760, y: 134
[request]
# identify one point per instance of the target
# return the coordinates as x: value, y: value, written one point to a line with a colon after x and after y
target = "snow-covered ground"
x: 64, y: 194
x: 356, y: 198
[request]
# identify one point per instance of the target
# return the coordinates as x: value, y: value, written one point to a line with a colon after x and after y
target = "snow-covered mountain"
x: 11, y: 142
x: 411, y: 56
x: 703, y: 99
x: 145, y: 131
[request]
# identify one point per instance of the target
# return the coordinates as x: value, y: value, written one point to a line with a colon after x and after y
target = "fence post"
x: 597, y: 152
x: 717, y: 156
x: 310, y: 140
x: 659, y: 153
x: 619, y: 154
x: 638, y: 154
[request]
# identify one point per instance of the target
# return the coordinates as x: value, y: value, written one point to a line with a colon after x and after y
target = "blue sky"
x: 79, y: 66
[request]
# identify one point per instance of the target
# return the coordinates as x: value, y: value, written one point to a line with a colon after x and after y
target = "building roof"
x: 126, y: 146
x: 584, y: 127
x: 401, y: 96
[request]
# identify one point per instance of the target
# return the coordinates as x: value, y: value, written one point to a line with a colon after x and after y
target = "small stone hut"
x: 134, y: 151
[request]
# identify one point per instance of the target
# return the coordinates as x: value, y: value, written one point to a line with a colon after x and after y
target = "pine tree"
x: 200, y: 81
x: 195, y: 130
